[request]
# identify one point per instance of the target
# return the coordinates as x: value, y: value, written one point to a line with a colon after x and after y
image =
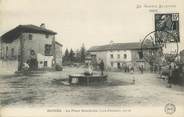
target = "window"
x: 125, y: 56
x: 48, y: 50
x: 46, y: 36
x: 112, y: 56
x: 140, y: 55
x: 45, y: 64
x: 32, y: 52
x: 12, y: 52
x: 118, y: 56
x: 41, y: 62
x: 30, y: 36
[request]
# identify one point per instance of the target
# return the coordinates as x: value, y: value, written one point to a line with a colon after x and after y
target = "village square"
x: 92, y: 56
x: 35, y: 72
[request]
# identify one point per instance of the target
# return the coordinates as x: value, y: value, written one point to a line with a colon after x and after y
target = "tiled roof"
x: 120, y: 46
x: 14, y: 33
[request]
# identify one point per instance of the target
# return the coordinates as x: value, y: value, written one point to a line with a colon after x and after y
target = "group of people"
x: 31, y: 63
x: 127, y: 68
x: 131, y: 68
x: 176, y: 74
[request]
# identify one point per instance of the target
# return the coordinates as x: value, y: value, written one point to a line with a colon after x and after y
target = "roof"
x: 58, y: 43
x: 121, y: 46
x: 15, y: 33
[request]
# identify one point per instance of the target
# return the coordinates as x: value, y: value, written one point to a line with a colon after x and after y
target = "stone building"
x: 29, y: 44
x: 119, y: 55
x: 59, y: 54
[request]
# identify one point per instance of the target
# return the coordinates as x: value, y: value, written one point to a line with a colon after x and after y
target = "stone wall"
x: 58, y: 50
x: 10, y: 51
x: 36, y: 42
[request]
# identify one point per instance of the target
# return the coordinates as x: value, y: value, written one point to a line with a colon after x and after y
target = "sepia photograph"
x: 91, y: 58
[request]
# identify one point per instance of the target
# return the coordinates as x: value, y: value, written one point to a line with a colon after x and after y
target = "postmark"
x: 159, y: 48
x: 162, y: 43
x: 170, y: 108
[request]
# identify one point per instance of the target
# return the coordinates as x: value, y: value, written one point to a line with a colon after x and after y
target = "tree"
x: 71, y: 55
x: 66, y: 56
x: 77, y: 56
x: 82, y: 53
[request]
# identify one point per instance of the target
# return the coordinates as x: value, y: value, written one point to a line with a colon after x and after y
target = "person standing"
x: 132, y: 73
x: 170, y: 76
x: 33, y: 60
x: 90, y: 68
x: 101, y: 65
x: 141, y: 68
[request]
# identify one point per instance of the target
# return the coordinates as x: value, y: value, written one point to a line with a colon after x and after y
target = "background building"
x: 121, y: 55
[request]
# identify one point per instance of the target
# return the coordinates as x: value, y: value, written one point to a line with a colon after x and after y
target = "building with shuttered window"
x: 30, y: 44
x: 121, y: 55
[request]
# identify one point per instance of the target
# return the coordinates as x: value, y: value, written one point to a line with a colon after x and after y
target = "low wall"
x: 8, y: 66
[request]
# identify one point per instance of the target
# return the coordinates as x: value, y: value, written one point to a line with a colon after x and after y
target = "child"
x: 132, y: 72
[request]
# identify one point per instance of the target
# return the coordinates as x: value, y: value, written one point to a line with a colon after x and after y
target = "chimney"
x: 43, y: 25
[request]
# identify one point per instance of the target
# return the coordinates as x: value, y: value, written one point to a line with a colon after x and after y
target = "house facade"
x: 59, y: 54
x: 29, y: 44
x: 121, y: 55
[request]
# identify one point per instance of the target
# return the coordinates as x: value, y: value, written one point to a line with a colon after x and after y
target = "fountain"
x: 87, y: 77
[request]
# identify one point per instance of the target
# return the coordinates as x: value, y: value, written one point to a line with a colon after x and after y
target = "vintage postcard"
x: 99, y: 58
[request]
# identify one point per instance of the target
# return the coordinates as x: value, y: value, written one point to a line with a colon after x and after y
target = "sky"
x: 92, y: 22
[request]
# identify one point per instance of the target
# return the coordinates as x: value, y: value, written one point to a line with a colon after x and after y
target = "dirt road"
x: 45, y: 89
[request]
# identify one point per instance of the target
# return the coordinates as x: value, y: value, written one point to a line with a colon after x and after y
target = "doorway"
x: 119, y: 65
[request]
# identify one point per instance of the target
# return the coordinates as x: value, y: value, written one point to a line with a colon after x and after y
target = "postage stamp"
x: 168, y: 22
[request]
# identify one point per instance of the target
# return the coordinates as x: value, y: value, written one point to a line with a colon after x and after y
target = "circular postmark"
x: 170, y: 108
x: 159, y: 46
